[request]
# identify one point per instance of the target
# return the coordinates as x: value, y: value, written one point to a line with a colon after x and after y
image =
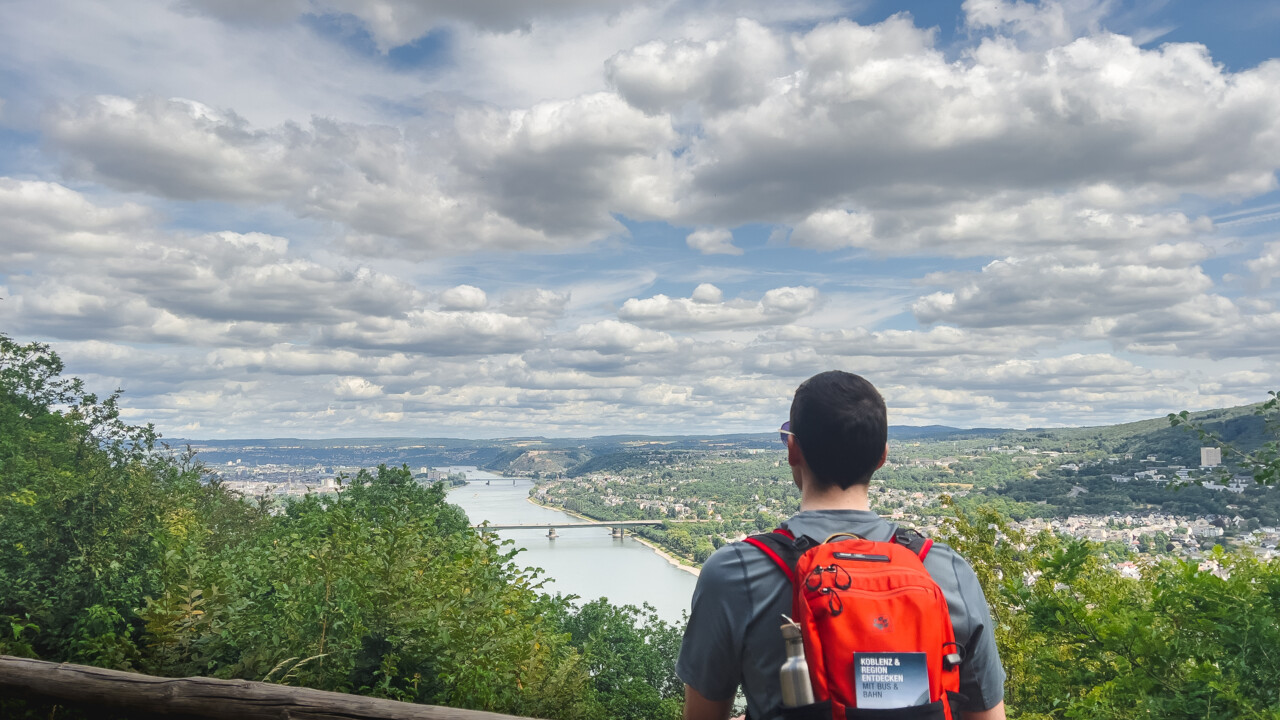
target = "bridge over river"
x: 616, y: 527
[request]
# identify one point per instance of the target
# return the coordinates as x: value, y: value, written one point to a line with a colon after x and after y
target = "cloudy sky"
x: 311, y: 218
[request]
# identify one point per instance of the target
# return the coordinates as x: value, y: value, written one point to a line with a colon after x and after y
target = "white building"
x: 1210, y: 457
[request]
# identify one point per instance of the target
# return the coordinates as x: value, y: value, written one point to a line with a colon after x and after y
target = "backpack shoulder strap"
x: 911, y: 539
x: 782, y: 548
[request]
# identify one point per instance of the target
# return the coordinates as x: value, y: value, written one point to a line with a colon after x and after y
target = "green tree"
x: 631, y: 655
x: 382, y: 589
x: 117, y: 553
x: 91, y: 510
x: 1079, y: 640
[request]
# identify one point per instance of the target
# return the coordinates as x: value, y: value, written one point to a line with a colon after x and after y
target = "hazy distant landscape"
x: 501, y: 454
x: 1138, y: 486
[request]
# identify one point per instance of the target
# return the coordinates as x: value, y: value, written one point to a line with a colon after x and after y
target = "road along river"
x: 581, y: 561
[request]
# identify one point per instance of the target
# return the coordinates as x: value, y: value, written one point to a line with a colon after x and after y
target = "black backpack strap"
x: 911, y: 539
x: 782, y: 548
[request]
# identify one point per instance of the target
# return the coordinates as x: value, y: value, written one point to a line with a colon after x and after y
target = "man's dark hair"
x: 840, y: 422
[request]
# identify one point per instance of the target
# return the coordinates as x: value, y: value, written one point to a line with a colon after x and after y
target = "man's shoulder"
x: 953, y: 573
x: 730, y: 559
x: 737, y: 566
x: 725, y: 562
x: 939, y: 550
x: 941, y: 553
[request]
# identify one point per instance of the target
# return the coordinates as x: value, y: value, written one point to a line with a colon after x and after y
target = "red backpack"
x: 876, y: 628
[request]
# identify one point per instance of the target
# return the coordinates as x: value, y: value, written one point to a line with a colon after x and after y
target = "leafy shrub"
x: 115, y: 552
x: 1186, y: 639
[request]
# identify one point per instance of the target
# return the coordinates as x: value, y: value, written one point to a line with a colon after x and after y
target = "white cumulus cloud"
x: 464, y: 297
x: 713, y: 242
x: 778, y: 306
x: 1058, y: 291
x: 1266, y: 267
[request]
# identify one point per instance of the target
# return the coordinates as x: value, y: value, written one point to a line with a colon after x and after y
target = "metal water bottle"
x: 797, y: 689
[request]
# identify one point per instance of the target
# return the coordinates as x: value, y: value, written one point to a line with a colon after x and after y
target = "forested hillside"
x: 117, y: 555
x: 1239, y: 426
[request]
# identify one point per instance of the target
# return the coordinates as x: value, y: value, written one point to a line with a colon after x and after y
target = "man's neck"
x: 833, y: 498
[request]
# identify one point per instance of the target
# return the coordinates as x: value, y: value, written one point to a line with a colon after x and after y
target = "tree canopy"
x: 120, y: 553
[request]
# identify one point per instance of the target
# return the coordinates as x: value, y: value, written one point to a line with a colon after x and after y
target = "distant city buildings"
x: 282, y: 480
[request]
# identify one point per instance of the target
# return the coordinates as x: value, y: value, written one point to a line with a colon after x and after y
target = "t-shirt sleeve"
x: 710, y: 653
x: 981, y: 674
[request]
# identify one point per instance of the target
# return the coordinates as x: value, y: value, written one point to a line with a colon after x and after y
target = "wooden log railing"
x: 201, y: 697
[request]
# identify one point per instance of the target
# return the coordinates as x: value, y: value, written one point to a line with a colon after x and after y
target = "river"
x: 582, y: 561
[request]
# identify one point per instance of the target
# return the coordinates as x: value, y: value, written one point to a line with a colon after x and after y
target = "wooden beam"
x: 200, y: 697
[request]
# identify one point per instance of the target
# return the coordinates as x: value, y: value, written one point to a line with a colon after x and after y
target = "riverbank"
x: 677, y: 562
x: 557, y: 508
x: 672, y: 559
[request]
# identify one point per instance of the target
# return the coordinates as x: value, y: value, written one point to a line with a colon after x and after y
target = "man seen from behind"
x: 837, y: 437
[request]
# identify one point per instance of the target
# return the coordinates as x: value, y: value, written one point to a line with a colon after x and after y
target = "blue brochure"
x: 890, y: 680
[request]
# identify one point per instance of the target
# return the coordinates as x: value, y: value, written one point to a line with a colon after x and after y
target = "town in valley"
x: 1137, y: 491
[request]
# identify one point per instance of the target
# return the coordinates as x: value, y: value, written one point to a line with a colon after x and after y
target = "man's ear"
x: 884, y: 456
x: 795, y: 456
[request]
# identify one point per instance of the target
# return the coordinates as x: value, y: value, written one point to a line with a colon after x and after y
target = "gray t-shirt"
x: 733, y: 637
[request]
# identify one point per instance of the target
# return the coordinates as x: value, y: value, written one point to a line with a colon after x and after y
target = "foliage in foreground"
x: 1079, y: 640
x: 115, y: 554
